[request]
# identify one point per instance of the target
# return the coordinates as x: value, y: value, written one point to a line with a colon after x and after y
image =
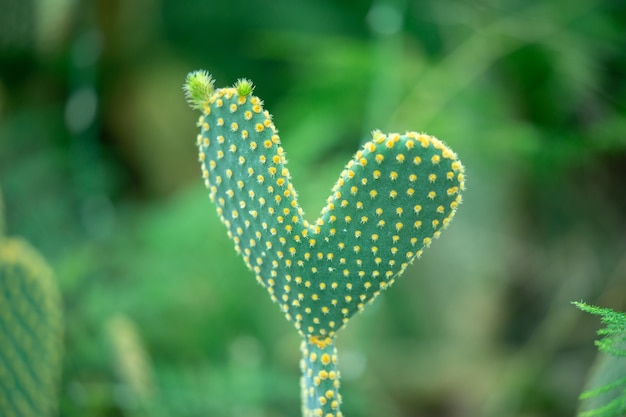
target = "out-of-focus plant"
x: 605, y: 395
x: 396, y: 195
x: 30, y: 332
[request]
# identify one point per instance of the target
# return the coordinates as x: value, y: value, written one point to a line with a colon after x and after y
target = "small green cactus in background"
x: 391, y: 200
x: 132, y: 362
x: 2, y: 231
x: 30, y: 331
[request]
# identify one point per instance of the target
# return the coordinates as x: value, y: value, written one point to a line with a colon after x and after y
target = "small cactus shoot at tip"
x: 391, y: 200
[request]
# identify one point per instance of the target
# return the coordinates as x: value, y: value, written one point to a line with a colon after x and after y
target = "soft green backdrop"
x: 99, y: 171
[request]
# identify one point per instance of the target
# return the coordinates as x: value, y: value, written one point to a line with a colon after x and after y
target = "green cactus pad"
x: 397, y: 194
x: 30, y: 333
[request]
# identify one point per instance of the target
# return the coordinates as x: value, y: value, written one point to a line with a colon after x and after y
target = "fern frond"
x: 603, y: 389
x: 614, y: 334
x: 606, y: 395
x: 614, y: 408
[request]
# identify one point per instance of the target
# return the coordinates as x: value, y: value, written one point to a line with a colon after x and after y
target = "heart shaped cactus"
x: 391, y: 200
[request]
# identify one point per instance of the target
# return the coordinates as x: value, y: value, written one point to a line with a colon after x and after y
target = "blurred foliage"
x: 98, y: 169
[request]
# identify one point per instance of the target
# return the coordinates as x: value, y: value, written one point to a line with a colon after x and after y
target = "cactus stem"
x: 320, y: 378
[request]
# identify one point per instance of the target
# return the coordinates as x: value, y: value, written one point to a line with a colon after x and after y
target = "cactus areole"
x: 391, y: 200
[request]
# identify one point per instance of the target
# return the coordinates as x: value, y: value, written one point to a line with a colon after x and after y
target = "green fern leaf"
x: 605, y: 395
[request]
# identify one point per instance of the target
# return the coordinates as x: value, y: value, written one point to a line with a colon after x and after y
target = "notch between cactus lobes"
x: 391, y: 200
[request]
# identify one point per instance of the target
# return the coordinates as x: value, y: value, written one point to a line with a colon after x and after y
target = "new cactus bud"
x: 30, y: 333
x: 391, y: 200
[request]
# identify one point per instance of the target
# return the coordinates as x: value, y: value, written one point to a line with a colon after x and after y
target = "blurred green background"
x: 99, y: 171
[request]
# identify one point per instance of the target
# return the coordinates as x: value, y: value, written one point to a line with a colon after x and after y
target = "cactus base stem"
x: 320, y: 378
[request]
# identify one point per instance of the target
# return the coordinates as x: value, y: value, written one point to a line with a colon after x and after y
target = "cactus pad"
x: 30, y: 333
x: 391, y: 200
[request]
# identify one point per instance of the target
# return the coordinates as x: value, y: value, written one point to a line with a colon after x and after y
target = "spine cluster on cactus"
x: 391, y: 200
